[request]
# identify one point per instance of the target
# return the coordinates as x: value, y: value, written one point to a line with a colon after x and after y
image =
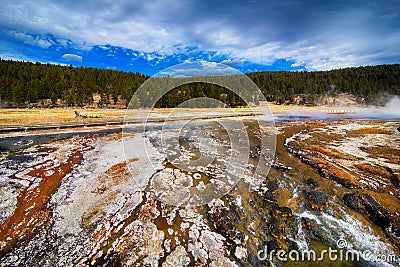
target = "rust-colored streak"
x: 332, y: 171
x: 31, y: 206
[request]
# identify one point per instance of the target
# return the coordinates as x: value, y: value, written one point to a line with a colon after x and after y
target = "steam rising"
x: 390, y: 111
x: 392, y: 108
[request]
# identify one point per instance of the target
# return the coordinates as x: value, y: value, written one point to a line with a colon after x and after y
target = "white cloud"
x: 31, y: 39
x: 199, y: 68
x: 231, y: 62
x: 72, y: 57
x: 206, y: 72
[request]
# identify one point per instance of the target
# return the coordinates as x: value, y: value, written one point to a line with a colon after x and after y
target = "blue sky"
x: 149, y: 36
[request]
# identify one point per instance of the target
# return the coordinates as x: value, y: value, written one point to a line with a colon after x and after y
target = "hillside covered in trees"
x: 368, y: 83
x: 23, y: 83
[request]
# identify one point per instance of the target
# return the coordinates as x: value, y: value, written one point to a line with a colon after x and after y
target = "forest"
x: 24, y: 83
x: 367, y: 83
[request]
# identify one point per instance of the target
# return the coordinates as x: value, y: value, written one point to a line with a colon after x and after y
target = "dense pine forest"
x: 368, y: 83
x: 24, y: 84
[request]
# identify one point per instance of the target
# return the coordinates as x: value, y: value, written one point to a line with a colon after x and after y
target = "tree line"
x: 26, y: 82
x: 22, y: 83
x: 367, y: 83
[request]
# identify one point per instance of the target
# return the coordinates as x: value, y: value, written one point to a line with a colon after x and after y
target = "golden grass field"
x: 15, y: 117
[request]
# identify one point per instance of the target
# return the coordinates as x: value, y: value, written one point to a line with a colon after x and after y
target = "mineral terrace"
x: 75, y: 201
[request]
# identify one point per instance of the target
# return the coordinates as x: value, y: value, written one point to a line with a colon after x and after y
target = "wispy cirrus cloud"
x: 231, y: 62
x: 31, y: 39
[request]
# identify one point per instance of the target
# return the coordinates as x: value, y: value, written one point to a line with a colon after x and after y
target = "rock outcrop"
x: 365, y: 204
x: 316, y: 199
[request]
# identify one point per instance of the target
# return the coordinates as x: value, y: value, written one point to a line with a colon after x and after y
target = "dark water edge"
x: 13, y: 143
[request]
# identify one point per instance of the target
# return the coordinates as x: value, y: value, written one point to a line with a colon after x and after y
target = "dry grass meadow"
x: 13, y: 117
x: 17, y: 117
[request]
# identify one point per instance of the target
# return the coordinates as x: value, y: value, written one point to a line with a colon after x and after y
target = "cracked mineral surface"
x: 86, y: 200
